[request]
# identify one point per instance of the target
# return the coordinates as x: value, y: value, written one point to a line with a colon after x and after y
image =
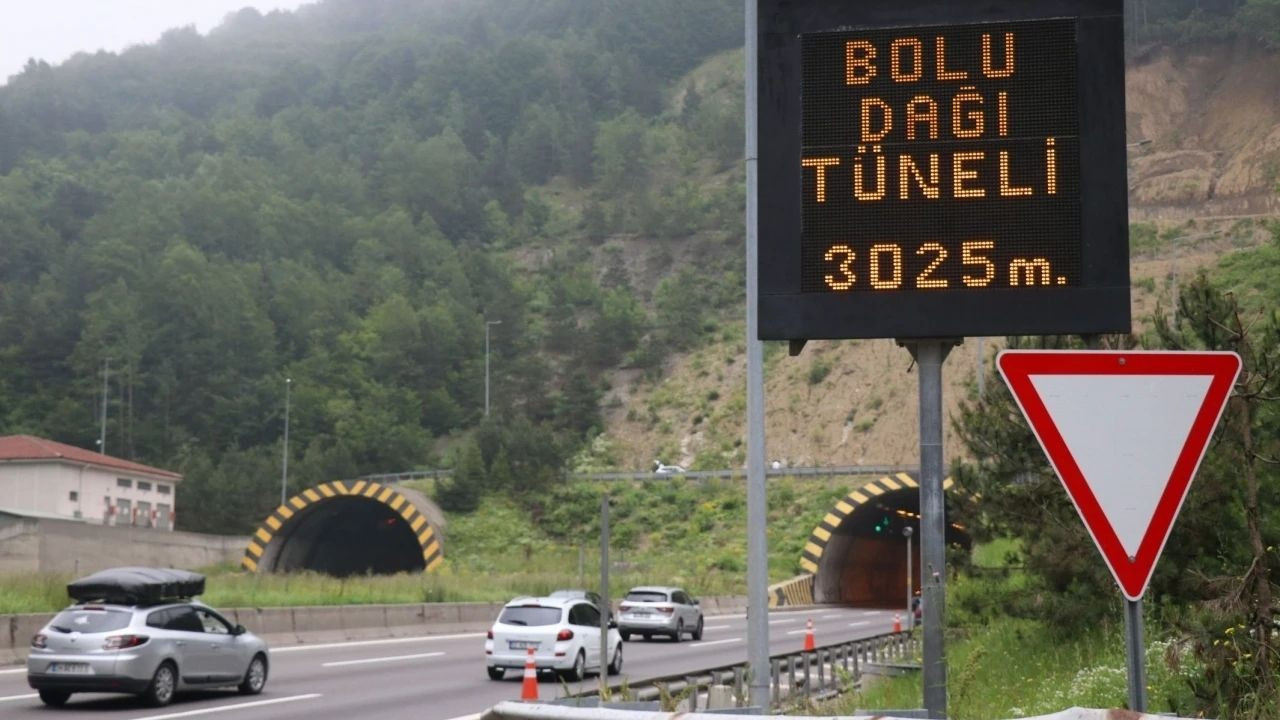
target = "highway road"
x: 433, y: 677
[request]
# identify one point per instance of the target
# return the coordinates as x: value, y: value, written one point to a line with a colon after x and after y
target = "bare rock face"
x: 1204, y: 133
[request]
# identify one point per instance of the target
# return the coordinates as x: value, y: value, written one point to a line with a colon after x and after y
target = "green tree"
x: 1241, y: 671
x: 461, y: 491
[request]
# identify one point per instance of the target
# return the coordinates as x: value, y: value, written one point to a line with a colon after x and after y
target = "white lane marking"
x: 781, y: 622
x: 797, y: 632
x: 740, y: 616
x: 468, y: 717
x: 364, y: 643
x: 835, y: 615
x: 716, y: 627
x: 860, y: 623
x: 715, y: 642
x: 28, y: 696
x: 14, y: 671
x: 225, y: 708
x: 875, y: 612
x: 340, y: 663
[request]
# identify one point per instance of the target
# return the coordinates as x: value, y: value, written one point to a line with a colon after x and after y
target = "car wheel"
x: 54, y: 698
x: 615, y: 667
x: 579, y: 669
x: 497, y: 673
x: 255, y: 678
x: 626, y: 636
x: 679, y: 631
x: 697, y: 632
x: 160, y: 692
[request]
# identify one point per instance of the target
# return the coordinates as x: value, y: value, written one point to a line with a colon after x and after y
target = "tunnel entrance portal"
x: 349, y: 528
x: 858, y: 554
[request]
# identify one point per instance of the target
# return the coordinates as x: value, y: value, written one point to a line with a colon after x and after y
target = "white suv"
x: 563, y: 632
x: 652, y: 610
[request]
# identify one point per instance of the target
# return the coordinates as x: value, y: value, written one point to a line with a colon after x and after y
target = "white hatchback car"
x: 563, y: 632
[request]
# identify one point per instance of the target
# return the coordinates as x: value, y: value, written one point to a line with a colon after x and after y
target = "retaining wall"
x: 332, y: 623
x: 29, y: 545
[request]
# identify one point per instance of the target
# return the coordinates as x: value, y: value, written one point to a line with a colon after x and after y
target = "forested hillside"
x: 348, y: 195
x: 344, y: 196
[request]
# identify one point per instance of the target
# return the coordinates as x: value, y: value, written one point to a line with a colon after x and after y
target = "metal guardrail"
x: 795, y: 677
x: 834, y: 470
x: 830, y: 471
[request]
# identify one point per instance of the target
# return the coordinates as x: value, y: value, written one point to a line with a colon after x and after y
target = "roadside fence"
x: 831, y: 471
x: 796, y: 678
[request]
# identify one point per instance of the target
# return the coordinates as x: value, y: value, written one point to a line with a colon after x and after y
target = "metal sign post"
x: 929, y: 355
x: 604, y: 584
x: 757, y: 517
x: 1135, y: 655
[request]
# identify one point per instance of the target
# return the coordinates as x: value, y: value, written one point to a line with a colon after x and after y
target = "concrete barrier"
x: 404, y: 620
x: 331, y: 623
x: 363, y: 622
x: 320, y: 624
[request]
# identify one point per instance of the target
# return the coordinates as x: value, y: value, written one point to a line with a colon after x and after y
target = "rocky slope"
x: 1204, y: 132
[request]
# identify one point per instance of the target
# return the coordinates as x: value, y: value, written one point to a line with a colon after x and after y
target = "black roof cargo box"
x: 136, y: 586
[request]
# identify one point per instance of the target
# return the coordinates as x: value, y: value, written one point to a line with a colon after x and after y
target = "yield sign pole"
x: 1125, y: 432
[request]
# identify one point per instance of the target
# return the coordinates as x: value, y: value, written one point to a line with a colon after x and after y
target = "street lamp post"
x: 487, y: 325
x: 284, y: 465
x: 908, y: 531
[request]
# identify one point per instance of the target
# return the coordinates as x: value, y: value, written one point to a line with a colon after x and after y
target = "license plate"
x: 641, y: 613
x: 65, y: 668
x: 522, y: 644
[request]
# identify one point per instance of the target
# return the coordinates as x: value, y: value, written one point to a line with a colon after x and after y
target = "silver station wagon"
x: 150, y: 649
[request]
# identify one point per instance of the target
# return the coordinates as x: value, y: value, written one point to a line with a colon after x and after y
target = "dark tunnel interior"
x: 865, y: 560
x: 344, y: 536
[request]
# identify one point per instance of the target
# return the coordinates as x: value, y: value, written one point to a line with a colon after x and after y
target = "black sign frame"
x: 1098, y: 303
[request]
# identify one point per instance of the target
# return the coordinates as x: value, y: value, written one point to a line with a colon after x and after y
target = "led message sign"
x: 962, y: 174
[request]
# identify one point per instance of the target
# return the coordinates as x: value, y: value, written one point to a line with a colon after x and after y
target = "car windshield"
x: 646, y: 596
x: 90, y: 621
x: 530, y: 615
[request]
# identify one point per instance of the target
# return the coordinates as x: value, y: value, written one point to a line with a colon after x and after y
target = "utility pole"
x: 487, y: 325
x: 757, y: 500
x: 911, y: 616
x: 102, y: 434
x: 605, y: 604
x: 284, y: 464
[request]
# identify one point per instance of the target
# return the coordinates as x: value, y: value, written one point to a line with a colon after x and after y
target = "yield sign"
x: 1125, y: 431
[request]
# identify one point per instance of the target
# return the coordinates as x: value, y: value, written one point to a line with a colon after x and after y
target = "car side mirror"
x: 238, y: 630
x: 696, y: 601
x: 613, y: 624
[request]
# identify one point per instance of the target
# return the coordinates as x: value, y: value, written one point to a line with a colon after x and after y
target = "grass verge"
x: 669, y: 531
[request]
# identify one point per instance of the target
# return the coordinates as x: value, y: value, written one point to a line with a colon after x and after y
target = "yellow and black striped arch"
x: 849, y: 504
x: 796, y: 591
x: 432, y: 553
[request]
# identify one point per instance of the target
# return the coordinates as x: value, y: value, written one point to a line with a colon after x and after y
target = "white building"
x: 50, y: 479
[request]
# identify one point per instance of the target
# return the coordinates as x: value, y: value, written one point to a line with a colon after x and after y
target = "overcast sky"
x: 54, y: 30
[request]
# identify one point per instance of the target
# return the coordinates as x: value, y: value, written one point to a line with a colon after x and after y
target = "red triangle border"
x: 1017, y: 367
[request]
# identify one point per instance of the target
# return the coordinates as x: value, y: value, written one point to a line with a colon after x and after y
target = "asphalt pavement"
x: 434, y: 677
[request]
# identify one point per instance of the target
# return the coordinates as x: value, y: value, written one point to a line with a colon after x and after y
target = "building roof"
x: 29, y: 448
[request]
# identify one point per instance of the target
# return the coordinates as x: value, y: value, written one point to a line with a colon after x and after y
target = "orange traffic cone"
x: 897, y: 622
x: 529, y: 690
x: 808, y: 635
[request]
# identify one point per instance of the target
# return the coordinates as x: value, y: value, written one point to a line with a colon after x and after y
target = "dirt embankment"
x: 1204, y: 133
